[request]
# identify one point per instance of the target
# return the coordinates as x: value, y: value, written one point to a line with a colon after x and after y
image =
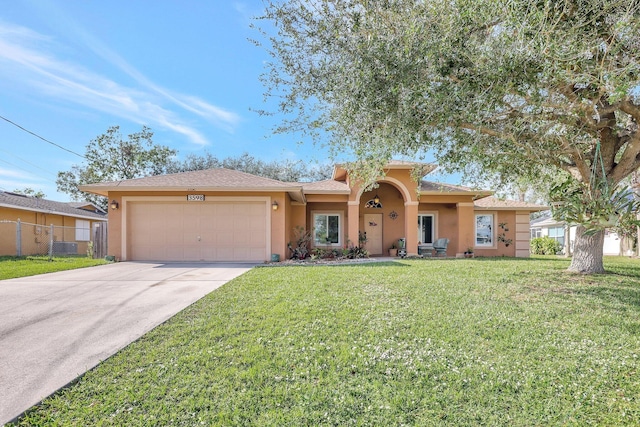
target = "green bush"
x: 545, y: 246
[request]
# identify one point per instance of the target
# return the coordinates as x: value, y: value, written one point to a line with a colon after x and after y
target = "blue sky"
x: 70, y: 69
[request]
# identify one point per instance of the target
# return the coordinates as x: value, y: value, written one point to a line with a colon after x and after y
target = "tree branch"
x: 629, y: 161
x: 631, y: 109
x: 580, y: 169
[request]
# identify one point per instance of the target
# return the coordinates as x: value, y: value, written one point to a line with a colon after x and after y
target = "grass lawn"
x: 513, y: 342
x: 12, y: 267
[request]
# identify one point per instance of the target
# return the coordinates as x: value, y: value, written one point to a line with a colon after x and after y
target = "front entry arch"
x: 397, y: 215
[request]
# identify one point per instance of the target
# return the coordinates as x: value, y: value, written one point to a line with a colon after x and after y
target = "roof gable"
x: 86, y: 206
x: 340, y: 170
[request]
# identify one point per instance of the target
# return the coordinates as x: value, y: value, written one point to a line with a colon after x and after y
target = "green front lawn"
x: 436, y: 342
x: 12, y: 267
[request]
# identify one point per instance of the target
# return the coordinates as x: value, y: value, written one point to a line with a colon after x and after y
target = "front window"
x: 557, y: 233
x: 536, y: 232
x: 82, y: 230
x: 426, y: 228
x: 326, y: 229
x: 484, y: 230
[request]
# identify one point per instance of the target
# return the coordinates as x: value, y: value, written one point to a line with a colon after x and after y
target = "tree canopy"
x: 282, y: 170
x: 109, y: 157
x: 28, y: 191
x: 509, y: 89
x: 488, y: 84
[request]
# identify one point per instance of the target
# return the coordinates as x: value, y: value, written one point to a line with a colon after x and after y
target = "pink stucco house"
x: 226, y: 215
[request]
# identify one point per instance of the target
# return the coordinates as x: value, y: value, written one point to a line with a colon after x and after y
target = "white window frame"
x: 434, y: 219
x: 536, y: 232
x: 316, y: 214
x: 492, y: 225
x: 555, y: 233
x: 83, y: 230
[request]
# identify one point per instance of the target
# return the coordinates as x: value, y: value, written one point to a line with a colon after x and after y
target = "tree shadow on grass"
x: 613, y: 294
x: 625, y: 271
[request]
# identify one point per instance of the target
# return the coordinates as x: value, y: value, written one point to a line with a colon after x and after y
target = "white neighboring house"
x: 558, y: 230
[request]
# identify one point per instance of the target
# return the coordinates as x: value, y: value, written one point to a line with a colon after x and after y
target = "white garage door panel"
x: 209, y: 231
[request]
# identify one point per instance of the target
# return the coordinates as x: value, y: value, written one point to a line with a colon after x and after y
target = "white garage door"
x: 197, y: 231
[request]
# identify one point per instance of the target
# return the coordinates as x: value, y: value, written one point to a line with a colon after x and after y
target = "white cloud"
x: 217, y: 115
x: 12, y: 173
x: 12, y: 179
x: 26, y: 58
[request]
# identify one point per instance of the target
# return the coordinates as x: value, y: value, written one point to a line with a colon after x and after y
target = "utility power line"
x: 44, y: 139
x: 27, y: 162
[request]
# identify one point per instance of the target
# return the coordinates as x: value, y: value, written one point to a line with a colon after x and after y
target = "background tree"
x: 28, y: 191
x: 539, y: 89
x: 282, y: 170
x: 109, y: 157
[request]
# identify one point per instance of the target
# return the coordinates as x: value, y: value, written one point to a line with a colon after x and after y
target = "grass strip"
x: 13, y: 267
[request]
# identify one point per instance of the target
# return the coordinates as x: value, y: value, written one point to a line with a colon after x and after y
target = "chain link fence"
x: 20, y: 238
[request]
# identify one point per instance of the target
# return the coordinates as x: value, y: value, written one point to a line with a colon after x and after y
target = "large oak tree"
x: 519, y: 88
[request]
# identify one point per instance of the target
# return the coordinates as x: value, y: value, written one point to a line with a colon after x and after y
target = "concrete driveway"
x: 54, y: 327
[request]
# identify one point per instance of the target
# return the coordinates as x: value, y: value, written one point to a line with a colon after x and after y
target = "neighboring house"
x: 558, y: 230
x: 227, y: 215
x: 72, y: 222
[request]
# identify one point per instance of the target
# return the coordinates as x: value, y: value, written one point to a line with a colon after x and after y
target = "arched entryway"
x: 382, y: 215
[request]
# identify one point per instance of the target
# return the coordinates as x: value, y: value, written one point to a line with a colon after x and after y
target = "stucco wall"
x: 296, y: 219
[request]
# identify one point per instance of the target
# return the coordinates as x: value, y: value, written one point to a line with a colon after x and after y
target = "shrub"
x: 300, y: 249
x: 545, y: 246
x: 320, y: 253
x: 355, y: 252
x: 327, y: 253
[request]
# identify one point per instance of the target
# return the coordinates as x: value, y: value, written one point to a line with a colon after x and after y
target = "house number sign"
x: 195, y: 197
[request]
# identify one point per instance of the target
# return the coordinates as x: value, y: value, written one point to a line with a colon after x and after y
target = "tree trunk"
x: 567, y: 240
x: 587, y: 252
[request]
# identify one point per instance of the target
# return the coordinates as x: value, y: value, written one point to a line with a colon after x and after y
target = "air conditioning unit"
x: 65, y: 248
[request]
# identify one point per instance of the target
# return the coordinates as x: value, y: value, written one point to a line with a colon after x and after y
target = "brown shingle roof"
x: 339, y: 171
x: 428, y: 187
x: 35, y: 204
x: 219, y: 177
x: 495, y: 203
x: 442, y: 188
x: 211, y: 179
x: 328, y: 186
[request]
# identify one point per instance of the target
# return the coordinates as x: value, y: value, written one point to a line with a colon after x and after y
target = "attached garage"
x: 212, y: 215
x: 211, y: 230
